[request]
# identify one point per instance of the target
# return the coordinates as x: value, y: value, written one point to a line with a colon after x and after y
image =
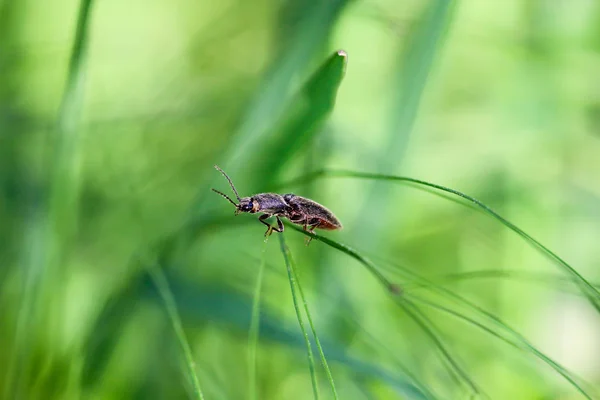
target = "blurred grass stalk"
x: 58, y: 220
x: 254, y: 330
x: 295, y: 284
x: 162, y: 286
x: 414, y: 65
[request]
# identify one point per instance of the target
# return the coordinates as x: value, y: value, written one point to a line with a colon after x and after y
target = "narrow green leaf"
x: 305, y: 116
x: 311, y: 360
x: 371, y: 267
x: 56, y: 223
x: 519, y: 343
x: 254, y: 327
x: 591, y: 292
x: 310, y: 321
x: 313, y: 29
x: 162, y: 285
x: 415, y: 63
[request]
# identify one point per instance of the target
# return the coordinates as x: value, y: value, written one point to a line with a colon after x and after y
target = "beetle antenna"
x: 224, y: 195
x: 230, y: 184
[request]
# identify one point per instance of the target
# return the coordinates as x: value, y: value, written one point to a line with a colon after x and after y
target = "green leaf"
x: 305, y: 116
x: 589, y: 290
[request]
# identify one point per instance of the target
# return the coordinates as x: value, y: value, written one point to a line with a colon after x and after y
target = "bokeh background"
x: 112, y: 115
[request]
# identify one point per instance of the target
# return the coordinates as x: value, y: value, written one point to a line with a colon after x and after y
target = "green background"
x: 112, y: 115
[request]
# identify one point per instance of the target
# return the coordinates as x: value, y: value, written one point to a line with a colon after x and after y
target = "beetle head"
x: 247, y: 204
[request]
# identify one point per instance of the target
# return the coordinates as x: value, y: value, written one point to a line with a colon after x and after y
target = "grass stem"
x: 167, y: 296
x: 311, y: 361
x: 254, y: 327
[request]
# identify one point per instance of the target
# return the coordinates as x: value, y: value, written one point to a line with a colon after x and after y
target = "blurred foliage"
x: 112, y: 115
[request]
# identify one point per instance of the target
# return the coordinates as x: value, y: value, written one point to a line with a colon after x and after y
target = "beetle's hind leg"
x: 311, y: 228
x: 271, y: 228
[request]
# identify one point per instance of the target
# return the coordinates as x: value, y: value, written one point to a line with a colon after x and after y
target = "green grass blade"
x: 201, y: 302
x: 254, y: 327
x: 311, y: 361
x: 418, y: 50
x: 67, y: 139
x: 412, y: 312
x: 521, y: 342
x: 269, y: 108
x: 592, y: 293
x: 429, y: 329
x: 162, y: 285
x: 515, y: 275
x: 413, y: 69
x: 371, y: 267
x: 305, y: 116
x: 504, y: 330
x: 312, y: 326
x: 57, y: 221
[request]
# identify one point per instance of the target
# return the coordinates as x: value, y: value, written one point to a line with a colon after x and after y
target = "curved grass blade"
x: 162, y: 285
x: 391, y: 287
x: 402, y: 301
x: 395, y: 289
x: 106, y: 331
x: 58, y: 216
x: 311, y: 361
x: 429, y: 328
x: 519, y: 340
x: 418, y: 54
x: 274, y: 96
x: 199, y: 303
x: 527, y: 346
x: 254, y: 327
x: 516, y: 275
x: 372, y: 339
x: 592, y: 293
x: 312, y: 326
x: 306, y: 115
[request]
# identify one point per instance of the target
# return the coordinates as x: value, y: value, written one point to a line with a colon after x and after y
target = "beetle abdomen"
x: 313, y: 213
x: 329, y: 225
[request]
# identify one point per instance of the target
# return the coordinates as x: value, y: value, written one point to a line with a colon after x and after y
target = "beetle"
x: 299, y: 210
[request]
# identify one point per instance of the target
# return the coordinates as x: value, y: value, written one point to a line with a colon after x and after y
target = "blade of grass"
x: 201, y: 302
x: 58, y: 219
x: 162, y: 285
x: 403, y: 301
x: 274, y: 96
x: 429, y: 329
x: 592, y: 294
x: 310, y: 321
x: 371, y: 267
x: 315, y: 26
x: 311, y: 361
x: 254, y: 327
x: 515, y: 275
x: 326, y: 296
x: 306, y: 115
x: 395, y: 289
x: 519, y: 339
x: 528, y: 347
x: 415, y: 62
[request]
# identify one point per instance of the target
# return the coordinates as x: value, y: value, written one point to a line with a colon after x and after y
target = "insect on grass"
x: 297, y: 209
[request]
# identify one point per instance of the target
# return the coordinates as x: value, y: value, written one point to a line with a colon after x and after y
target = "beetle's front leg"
x: 262, y: 220
x: 271, y: 228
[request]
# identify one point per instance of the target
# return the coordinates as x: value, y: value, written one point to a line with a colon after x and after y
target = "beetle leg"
x: 279, y: 225
x: 308, y: 239
x: 262, y: 219
x: 296, y: 218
